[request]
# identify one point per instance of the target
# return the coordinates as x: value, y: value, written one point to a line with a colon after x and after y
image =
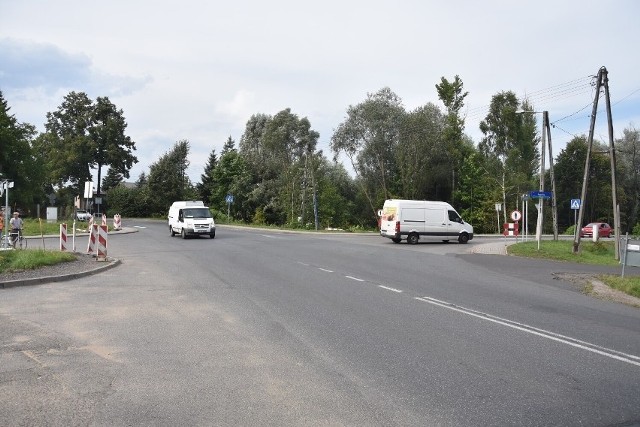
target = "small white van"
x: 412, y: 220
x: 191, y: 218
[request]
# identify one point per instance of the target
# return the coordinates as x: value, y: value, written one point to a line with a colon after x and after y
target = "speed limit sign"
x: 516, y: 215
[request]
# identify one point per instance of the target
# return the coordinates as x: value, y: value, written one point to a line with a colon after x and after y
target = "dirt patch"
x: 591, y: 285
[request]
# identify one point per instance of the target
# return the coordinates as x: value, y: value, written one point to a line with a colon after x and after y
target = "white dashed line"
x: 390, y: 289
x: 324, y: 269
x: 354, y: 278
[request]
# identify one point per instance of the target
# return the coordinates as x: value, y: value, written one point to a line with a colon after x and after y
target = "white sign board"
x: 52, y: 214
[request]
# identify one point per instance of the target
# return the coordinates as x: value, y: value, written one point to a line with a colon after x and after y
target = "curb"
x: 58, y: 278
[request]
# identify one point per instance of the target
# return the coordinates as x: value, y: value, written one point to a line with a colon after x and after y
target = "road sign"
x: 540, y: 194
x: 499, y: 207
x: 516, y: 216
x: 229, y: 198
x: 575, y: 203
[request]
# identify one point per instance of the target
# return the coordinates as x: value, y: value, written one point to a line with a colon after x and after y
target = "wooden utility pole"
x: 587, y: 164
x: 603, y: 80
x: 554, y: 206
x: 612, y: 156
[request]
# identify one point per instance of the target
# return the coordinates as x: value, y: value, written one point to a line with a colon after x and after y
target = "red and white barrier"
x: 103, y: 232
x: 90, y: 224
x: 63, y: 237
x: 104, y: 219
x: 93, y: 232
x: 117, y: 223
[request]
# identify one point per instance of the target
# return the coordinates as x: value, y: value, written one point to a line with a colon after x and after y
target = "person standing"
x: 16, y: 226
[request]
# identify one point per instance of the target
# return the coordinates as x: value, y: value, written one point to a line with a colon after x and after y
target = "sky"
x: 198, y: 70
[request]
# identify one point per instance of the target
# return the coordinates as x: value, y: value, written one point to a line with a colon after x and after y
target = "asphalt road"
x: 270, y: 328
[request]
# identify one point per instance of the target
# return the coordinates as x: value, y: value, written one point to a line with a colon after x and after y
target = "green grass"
x: 28, y: 259
x: 601, y: 253
x: 628, y: 285
x: 36, y: 227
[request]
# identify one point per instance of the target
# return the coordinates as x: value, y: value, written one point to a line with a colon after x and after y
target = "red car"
x: 604, y: 229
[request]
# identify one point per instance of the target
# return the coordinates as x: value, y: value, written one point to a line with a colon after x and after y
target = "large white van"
x: 191, y: 218
x: 412, y: 220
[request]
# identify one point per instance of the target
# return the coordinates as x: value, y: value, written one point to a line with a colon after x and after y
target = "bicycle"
x: 17, y: 239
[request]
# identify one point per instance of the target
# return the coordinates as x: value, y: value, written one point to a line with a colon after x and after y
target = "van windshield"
x: 196, y: 213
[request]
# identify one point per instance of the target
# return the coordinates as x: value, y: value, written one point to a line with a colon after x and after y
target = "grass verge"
x: 600, y: 253
x: 28, y: 259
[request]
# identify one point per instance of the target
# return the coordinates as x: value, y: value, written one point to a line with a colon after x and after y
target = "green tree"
x: 628, y: 175
x: 231, y: 177
x: 19, y: 161
x: 206, y: 179
x: 112, y: 179
x: 452, y: 96
x: 168, y: 181
x: 82, y: 135
x: 110, y: 146
x: 369, y: 137
x: 510, y: 145
x: 423, y: 164
x: 67, y: 145
x: 569, y: 172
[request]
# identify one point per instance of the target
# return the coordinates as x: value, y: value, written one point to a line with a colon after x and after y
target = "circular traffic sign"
x: 516, y: 215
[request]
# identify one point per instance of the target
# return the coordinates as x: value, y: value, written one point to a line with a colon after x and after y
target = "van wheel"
x: 396, y: 240
x: 412, y: 238
x: 212, y: 235
x: 183, y: 234
x: 464, y: 238
x: 173, y: 233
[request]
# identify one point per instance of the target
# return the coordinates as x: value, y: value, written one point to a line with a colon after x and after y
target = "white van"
x: 413, y: 220
x: 191, y: 218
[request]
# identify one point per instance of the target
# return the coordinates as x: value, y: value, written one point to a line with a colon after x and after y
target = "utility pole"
x: 612, y: 156
x: 603, y: 80
x: 587, y: 163
x: 540, y: 202
x: 554, y: 205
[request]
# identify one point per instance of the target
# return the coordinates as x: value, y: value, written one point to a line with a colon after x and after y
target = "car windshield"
x: 197, y: 213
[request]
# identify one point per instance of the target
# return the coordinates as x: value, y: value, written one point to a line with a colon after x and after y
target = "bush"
x: 570, y: 230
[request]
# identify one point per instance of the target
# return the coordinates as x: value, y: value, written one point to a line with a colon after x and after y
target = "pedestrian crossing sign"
x: 575, y: 203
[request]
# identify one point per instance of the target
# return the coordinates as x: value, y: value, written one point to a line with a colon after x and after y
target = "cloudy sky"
x: 198, y: 70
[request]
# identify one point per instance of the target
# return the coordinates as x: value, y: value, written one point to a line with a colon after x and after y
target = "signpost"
x: 229, y: 200
x: 543, y: 195
x: 575, y: 205
x: 498, y: 209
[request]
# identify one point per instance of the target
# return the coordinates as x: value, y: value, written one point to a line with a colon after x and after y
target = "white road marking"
x: 139, y: 226
x: 271, y: 237
x: 390, y: 289
x: 324, y: 269
x: 303, y: 263
x: 354, y: 278
x: 613, y: 354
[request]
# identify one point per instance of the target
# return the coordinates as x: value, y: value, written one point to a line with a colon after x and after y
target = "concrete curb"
x: 61, y: 277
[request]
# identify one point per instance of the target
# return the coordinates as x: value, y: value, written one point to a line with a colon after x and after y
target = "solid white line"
x: 354, y: 278
x: 390, y: 289
x: 324, y: 269
x: 613, y: 354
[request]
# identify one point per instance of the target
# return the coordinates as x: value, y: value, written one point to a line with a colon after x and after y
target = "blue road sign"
x: 575, y: 204
x: 540, y: 194
x: 229, y: 198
